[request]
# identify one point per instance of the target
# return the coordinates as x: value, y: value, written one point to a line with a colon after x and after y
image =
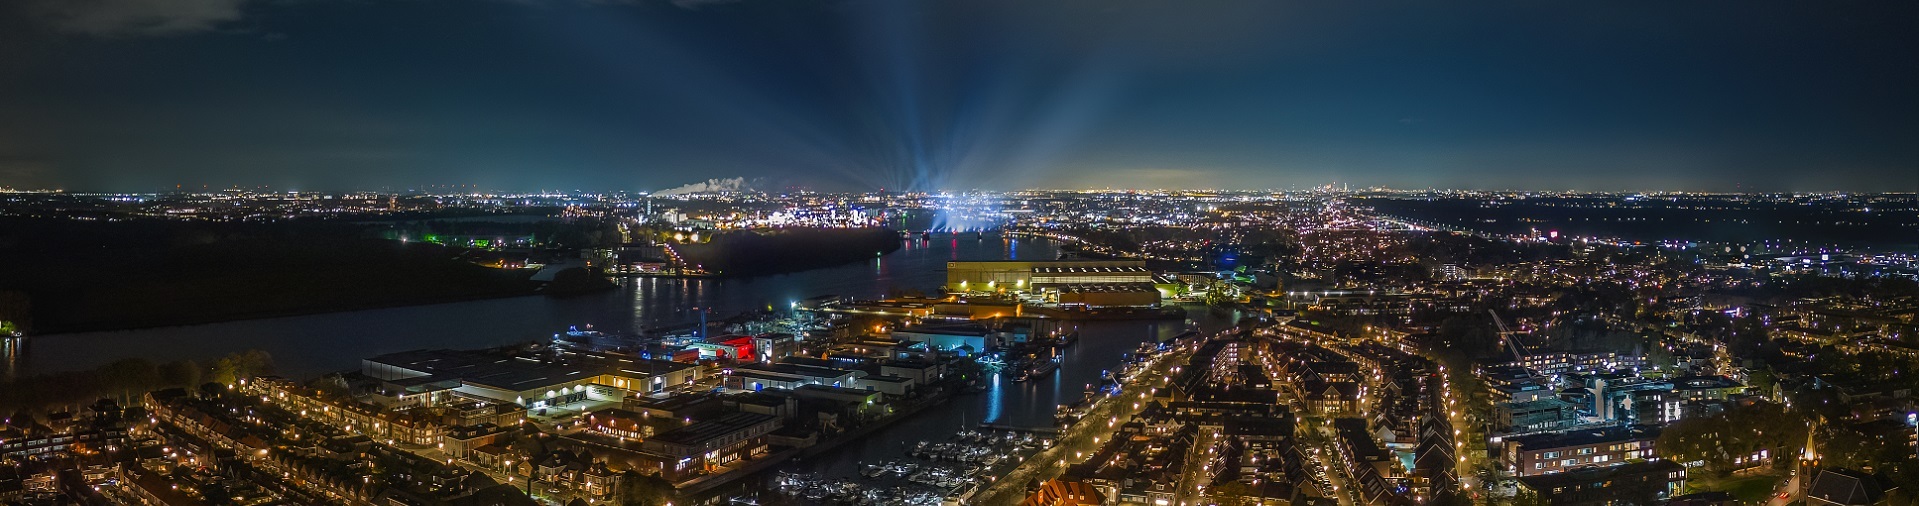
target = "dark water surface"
x: 307, y: 346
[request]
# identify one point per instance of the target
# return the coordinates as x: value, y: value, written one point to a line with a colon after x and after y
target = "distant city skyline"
x: 451, y: 189
x: 135, y: 96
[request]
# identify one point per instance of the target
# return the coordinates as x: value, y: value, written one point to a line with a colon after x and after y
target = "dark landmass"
x: 577, y: 281
x: 78, y: 276
x: 64, y: 276
x: 1889, y: 222
x: 788, y: 250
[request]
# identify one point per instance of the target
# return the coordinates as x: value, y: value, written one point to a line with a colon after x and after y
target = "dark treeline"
x: 73, y: 276
x: 550, y: 233
x: 1653, y: 220
x: 789, y: 250
x: 124, y: 380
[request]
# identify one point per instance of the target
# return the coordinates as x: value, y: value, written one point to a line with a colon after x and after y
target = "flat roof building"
x: 1539, y: 454
x: 532, y: 381
x: 1081, y: 282
x: 1647, y: 482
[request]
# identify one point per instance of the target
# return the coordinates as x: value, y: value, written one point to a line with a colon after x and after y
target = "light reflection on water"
x: 1028, y: 404
x: 995, y: 399
x: 11, y: 349
x: 305, y: 346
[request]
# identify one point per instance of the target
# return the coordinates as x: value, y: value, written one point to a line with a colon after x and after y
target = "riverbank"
x: 315, y: 344
x: 85, y: 276
x: 786, y: 251
x: 1111, y: 314
x: 69, y: 277
x: 171, y: 298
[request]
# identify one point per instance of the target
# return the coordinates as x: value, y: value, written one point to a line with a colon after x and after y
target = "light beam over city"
x: 980, y: 252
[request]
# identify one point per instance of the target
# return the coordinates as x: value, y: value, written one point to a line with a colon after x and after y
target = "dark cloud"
x: 955, y: 94
x: 112, y: 18
x: 697, y: 4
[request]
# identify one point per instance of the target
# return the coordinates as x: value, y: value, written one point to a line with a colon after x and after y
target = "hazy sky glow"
x: 141, y: 95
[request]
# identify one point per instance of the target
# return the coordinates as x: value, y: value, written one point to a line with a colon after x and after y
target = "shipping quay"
x: 569, y: 423
x: 705, y: 413
x: 702, y: 415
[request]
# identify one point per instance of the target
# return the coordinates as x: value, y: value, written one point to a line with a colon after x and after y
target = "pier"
x: 1015, y: 428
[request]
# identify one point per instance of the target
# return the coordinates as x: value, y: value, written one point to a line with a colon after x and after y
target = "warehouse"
x: 1091, y: 283
x: 533, y: 381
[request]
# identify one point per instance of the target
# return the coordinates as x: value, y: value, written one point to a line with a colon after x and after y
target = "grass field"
x: 1747, y: 489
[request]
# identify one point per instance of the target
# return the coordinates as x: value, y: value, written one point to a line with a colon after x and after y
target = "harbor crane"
x: 1510, y: 338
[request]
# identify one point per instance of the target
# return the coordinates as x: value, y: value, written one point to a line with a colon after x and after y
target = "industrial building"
x: 530, y: 381
x: 1091, y: 283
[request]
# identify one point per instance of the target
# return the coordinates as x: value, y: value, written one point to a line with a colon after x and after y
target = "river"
x: 308, y: 346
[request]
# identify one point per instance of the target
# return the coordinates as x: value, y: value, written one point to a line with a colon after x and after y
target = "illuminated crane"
x: 1508, y: 337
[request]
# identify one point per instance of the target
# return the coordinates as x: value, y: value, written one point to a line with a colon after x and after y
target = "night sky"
x: 143, y: 95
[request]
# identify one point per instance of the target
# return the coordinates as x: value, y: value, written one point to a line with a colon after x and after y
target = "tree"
x: 232, y: 368
x: 215, y: 493
x: 1528, y: 497
x: 1847, y: 446
x: 528, y: 446
x: 331, y: 386
x: 126, y: 377
x: 1748, y: 334
x: 577, y: 280
x: 644, y: 490
x: 16, y: 313
x: 1719, y: 439
x: 180, y: 373
x: 1469, y: 335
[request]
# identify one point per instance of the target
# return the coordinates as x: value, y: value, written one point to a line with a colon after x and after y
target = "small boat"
x: 1042, y: 369
x: 964, y: 493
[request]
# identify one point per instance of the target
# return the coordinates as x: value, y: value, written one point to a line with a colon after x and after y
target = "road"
x: 1099, y: 424
x: 1315, y: 437
x: 1196, y: 472
x: 1789, y: 491
x: 1320, y: 437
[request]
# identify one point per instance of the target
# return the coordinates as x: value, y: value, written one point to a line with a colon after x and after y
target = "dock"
x: 1016, y: 428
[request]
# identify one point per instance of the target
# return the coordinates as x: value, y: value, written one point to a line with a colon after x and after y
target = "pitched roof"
x: 1064, y: 493
x: 1845, y: 487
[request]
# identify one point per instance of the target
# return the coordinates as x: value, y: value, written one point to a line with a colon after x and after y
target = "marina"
x: 1071, y: 365
x: 945, y: 472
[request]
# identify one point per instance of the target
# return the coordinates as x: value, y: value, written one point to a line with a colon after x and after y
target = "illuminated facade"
x: 1070, y: 282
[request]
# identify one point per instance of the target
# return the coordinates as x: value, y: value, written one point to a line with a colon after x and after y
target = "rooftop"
x: 1581, y: 437
x: 706, y: 430
x: 519, y: 373
x: 1592, y: 475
